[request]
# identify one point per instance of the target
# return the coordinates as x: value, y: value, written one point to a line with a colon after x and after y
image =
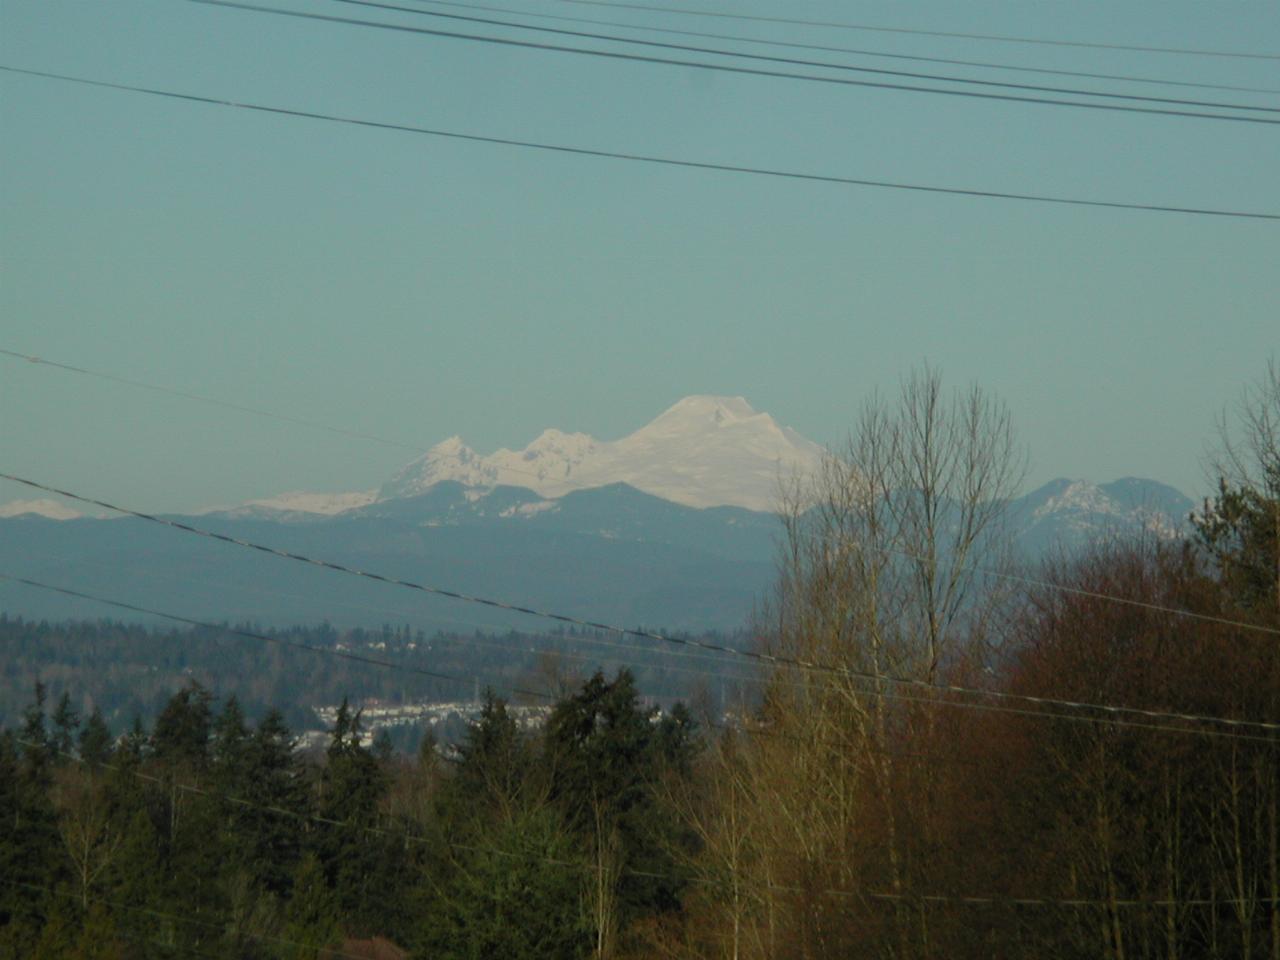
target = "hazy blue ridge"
x: 610, y: 554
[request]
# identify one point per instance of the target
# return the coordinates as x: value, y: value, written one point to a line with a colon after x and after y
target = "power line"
x: 827, y: 65
x: 256, y: 411
x: 738, y: 38
x: 1047, y: 584
x: 408, y: 837
x: 816, y: 538
x: 770, y: 659
x: 641, y: 158
x: 721, y: 67
x: 1067, y: 588
x: 678, y: 655
x: 266, y: 638
x: 754, y: 730
x: 996, y: 38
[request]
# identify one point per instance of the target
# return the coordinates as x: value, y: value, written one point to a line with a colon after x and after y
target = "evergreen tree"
x: 493, y: 768
x: 180, y: 738
x: 34, y: 738
x: 361, y: 864
x: 229, y: 750
x: 606, y: 754
x: 59, y: 931
x: 311, y: 914
x: 65, y: 724
x: 31, y: 860
x: 99, y: 938
x: 20, y: 902
x: 517, y: 895
x: 267, y: 835
x: 95, y: 740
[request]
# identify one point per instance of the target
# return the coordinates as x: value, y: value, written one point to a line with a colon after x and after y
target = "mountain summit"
x: 703, y: 451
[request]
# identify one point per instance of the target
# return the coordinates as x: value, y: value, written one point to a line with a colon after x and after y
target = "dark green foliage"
x: 363, y: 861
x: 230, y: 736
x: 1240, y: 530
x: 137, y: 873
x: 493, y: 767
x: 34, y: 736
x: 516, y: 893
x: 181, y: 734
x: 95, y: 740
x: 31, y: 862
x: 267, y: 831
x: 311, y: 918
x: 99, y: 937
x: 213, y: 834
x: 125, y: 670
x: 606, y: 755
x: 65, y: 724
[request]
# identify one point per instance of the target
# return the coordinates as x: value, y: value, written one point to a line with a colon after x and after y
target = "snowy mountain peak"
x: 552, y: 442
x: 50, y: 509
x: 706, y: 409
x: 703, y: 451
x: 449, y: 459
x: 1076, y: 511
x: 453, y: 447
x: 297, y: 504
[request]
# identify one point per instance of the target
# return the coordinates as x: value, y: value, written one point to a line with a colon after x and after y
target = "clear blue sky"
x: 418, y: 288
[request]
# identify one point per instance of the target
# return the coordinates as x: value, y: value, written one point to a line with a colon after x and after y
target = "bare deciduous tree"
x: 884, y: 576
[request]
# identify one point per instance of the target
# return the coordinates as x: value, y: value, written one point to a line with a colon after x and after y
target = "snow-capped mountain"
x: 298, y: 505
x: 50, y: 509
x: 1071, y: 513
x: 704, y: 451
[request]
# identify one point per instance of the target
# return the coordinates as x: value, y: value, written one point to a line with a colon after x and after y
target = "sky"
x: 416, y: 287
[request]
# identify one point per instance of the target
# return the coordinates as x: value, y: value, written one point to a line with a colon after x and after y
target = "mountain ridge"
x: 702, y: 451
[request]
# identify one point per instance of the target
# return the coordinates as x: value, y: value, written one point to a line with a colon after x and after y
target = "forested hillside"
x: 945, y: 759
x: 129, y: 671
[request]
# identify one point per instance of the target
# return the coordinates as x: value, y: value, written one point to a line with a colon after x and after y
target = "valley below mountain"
x: 668, y: 527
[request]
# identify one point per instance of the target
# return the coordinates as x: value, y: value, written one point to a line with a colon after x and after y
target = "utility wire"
x: 753, y: 730
x: 256, y: 411
x: 641, y: 158
x: 825, y: 48
x: 792, y: 61
x: 407, y: 837
x: 677, y: 655
x: 264, y: 637
x: 771, y: 659
x: 720, y: 67
x: 996, y: 38
x: 1041, y: 583
x: 1028, y: 581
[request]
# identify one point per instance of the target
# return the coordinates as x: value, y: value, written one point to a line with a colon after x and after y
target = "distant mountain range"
x: 702, y: 452
x: 666, y: 527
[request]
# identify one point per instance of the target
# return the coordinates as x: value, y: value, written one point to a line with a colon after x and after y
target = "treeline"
x: 902, y: 793
x: 950, y: 757
x: 212, y: 837
x: 846, y: 816
x: 129, y: 671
